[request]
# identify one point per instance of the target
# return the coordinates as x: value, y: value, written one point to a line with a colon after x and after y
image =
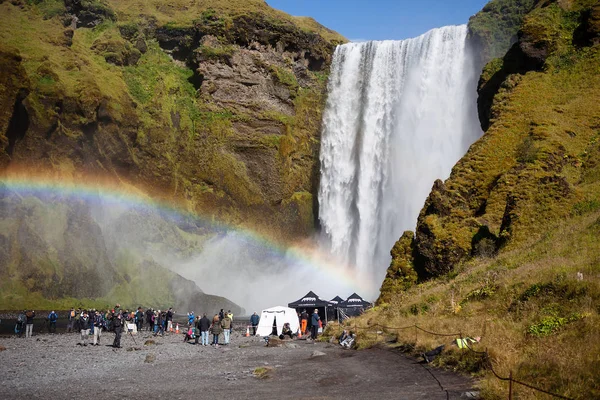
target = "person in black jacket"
x: 203, y: 326
x: 29, y: 315
x: 117, y: 324
x: 84, y: 325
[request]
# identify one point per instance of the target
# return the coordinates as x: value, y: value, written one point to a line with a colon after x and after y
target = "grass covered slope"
x: 534, y: 316
x: 499, y: 245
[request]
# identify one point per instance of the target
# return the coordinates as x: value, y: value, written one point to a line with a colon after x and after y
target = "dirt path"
x: 53, y: 366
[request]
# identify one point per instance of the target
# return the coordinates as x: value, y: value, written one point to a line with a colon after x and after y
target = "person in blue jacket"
x: 52, y: 318
x: 254, y: 322
x: 314, y: 328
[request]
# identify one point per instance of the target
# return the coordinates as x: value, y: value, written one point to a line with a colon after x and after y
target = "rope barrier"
x: 485, y: 354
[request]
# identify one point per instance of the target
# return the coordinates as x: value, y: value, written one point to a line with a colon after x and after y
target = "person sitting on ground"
x: 348, y: 341
x: 343, y: 336
x: 189, y: 335
x: 286, y: 331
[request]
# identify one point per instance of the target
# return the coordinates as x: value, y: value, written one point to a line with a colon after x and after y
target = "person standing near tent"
x: 314, y: 324
x: 303, y: 321
x: 254, y: 322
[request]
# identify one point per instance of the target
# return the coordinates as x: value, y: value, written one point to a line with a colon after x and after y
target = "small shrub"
x: 480, y: 294
x: 527, y: 151
x: 586, y: 207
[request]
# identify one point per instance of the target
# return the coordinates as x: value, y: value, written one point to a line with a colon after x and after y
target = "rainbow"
x: 127, y: 196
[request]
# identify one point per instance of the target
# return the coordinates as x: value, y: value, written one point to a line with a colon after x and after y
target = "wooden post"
x: 416, y: 335
x: 510, y: 396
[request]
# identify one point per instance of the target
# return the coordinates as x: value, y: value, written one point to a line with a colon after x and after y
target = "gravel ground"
x: 54, y: 366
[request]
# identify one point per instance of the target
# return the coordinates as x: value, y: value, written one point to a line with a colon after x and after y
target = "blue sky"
x: 382, y: 19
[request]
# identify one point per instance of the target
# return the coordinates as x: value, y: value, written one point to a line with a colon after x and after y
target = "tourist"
x: 20, y: 326
x: 216, y: 330
x: 98, y: 325
x: 254, y: 322
x: 52, y: 318
x: 191, y: 318
x: 226, y: 325
x: 230, y: 315
x: 203, y: 326
x: 84, y: 325
x: 117, y: 324
x: 314, y: 328
x: 149, y: 319
x: 303, y: 321
x: 70, y: 320
x: 168, y: 320
x: 221, y: 315
x: 29, y: 316
x: 286, y: 331
x: 139, y: 319
x: 159, y: 327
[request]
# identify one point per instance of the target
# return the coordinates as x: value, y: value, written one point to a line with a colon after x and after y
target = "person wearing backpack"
x: 52, y: 318
x: 71, y: 319
x: 29, y: 315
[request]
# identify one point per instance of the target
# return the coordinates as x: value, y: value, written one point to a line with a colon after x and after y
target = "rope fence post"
x: 510, y: 387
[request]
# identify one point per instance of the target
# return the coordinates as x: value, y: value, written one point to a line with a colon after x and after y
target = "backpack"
x: 53, y: 317
x: 21, y: 318
x: 29, y: 314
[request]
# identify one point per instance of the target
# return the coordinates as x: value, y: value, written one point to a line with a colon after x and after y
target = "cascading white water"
x: 399, y: 115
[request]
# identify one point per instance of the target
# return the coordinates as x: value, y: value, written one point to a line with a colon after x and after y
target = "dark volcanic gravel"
x: 54, y: 366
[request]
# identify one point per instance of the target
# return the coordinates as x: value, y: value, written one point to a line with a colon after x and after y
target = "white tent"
x: 281, y: 315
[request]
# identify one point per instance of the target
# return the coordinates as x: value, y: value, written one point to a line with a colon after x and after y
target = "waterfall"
x: 399, y: 115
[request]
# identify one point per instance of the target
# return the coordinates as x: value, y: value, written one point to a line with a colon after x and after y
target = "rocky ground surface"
x: 54, y: 366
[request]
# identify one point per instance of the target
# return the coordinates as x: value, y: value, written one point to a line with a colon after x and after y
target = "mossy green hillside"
x: 118, y: 94
x: 530, y: 168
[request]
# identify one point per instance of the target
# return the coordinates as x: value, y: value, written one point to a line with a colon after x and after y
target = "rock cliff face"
x: 214, y: 105
x: 535, y: 165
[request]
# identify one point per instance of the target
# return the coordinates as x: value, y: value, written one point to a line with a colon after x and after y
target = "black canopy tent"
x: 354, y: 305
x: 333, y: 310
x: 309, y: 302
